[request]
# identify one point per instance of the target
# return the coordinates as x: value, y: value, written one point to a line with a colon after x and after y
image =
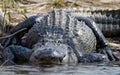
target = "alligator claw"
x: 8, y: 57
x: 108, y: 52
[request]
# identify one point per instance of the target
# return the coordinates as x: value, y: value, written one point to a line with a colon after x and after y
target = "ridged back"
x: 65, y: 28
x: 107, y: 20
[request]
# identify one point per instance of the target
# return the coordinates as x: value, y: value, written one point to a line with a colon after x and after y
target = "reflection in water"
x: 60, y: 70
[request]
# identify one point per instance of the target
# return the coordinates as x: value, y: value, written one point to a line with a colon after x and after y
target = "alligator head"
x: 52, y: 53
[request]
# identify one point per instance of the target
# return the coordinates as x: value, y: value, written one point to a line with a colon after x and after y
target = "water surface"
x: 60, y: 70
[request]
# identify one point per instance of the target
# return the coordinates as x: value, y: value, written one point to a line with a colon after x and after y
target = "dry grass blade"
x: 1, y: 69
x: 114, y: 44
x: 3, y: 65
x: 1, y: 47
x: 13, y: 34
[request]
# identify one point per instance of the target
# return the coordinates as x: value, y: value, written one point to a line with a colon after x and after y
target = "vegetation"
x: 9, y: 6
x: 57, y: 3
x: 95, y: 0
x: 12, y: 6
x: 63, y: 3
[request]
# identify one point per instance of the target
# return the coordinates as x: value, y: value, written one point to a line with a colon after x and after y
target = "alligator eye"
x: 59, y: 41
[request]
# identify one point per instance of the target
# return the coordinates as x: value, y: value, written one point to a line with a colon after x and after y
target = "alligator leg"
x: 18, y: 54
x: 8, y: 56
x: 100, y: 37
x: 10, y: 39
x: 19, y: 30
x: 28, y: 23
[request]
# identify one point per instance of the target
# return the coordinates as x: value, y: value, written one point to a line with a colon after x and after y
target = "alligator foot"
x: 16, y: 54
x: 107, y: 51
x: 20, y: 53
x: 93, y: 57
x: 8, y: 57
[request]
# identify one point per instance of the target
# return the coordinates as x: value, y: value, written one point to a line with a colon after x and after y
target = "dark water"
x: 60, y: 70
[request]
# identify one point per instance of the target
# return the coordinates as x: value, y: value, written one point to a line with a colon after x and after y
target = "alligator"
x: 63, y: 36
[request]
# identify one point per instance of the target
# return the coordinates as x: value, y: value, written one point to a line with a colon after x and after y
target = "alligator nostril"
x: 64, y: 56
x: 60, y: 59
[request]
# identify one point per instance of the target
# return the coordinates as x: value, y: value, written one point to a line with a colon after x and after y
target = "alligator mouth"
x: 49, y: 60
x: 48, y: 57
x: 49, y: 54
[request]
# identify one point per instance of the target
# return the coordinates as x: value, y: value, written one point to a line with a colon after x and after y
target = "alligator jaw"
x: 49, y: 54
x: 50, y: 60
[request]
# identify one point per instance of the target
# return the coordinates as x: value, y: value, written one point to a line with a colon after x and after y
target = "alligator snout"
x: 49, y: 54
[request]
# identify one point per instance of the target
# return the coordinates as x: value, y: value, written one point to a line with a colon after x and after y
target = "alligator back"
x: 107, y: 20
x: 60, y: 25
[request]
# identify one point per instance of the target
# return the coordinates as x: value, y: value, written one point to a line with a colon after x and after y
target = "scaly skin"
x: 79, y: 32
x: 107, y: 20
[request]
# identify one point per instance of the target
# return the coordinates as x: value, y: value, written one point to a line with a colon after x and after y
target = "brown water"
x: 60, y: 70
